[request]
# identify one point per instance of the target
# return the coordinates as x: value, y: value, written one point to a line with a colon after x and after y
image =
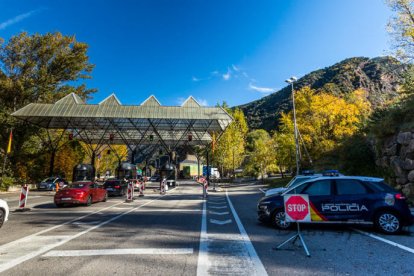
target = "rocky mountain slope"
x: 379, y: 76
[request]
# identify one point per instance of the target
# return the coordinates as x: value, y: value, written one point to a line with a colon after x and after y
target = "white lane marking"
x: 263, y: 191
x: 203, y: 262
x: 127, y: 251
x: 216, y: 199
x: 10, y: 253
x: 217, y: 203
x: 218, y: 213
x: 13, y: 199
x: 258, y: 266
x: 218, y: 207
x: 171, y: 210
x: 220, y: 222
x: 403, y: 247
x: 24, y: 255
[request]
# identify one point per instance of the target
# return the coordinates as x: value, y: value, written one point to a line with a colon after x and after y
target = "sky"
x: 235, y: 51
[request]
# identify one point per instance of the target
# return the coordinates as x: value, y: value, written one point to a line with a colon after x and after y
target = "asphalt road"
x: 180, y: 233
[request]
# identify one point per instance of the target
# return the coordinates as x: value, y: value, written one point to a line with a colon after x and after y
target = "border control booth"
x: 145, y: 129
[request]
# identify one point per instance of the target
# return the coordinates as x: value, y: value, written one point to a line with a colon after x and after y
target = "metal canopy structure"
x: 139, y: 127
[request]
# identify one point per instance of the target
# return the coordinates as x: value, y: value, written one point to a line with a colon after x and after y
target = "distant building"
x: 188, y: 167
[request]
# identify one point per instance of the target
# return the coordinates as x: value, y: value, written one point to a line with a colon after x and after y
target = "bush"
x: 6, y: 182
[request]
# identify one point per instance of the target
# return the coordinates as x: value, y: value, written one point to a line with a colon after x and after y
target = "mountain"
x: 380, y: 77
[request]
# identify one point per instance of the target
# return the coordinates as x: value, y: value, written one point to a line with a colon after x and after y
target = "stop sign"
x: 297, y: 208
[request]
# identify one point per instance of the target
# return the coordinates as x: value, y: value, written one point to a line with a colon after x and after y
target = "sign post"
x: 297, y: 210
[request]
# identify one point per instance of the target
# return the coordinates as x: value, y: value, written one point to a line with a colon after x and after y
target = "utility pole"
x: 291, y: 81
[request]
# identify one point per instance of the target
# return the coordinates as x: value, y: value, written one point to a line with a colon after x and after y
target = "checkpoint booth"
x: 145, y: 129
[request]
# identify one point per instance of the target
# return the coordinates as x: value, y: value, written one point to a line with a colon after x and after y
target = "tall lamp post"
x: 291, y: 81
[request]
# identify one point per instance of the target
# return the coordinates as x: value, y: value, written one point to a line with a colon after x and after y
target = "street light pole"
x: 291, y: 81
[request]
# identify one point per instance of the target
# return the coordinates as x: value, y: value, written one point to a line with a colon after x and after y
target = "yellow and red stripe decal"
x: 315, y: 215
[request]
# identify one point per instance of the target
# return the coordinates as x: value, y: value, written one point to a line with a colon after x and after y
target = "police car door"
x: 351, y: 200
x: 320, y: 196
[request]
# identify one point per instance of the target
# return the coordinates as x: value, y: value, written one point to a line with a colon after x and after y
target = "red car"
x: 81, y: 193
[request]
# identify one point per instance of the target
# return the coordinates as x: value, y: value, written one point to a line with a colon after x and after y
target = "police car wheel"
x: 279, y: 220
x: 388, y: 222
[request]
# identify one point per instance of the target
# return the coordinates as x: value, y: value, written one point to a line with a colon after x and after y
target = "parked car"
x: 80, y: 193
x: 115, y: 187
x: 344, y: 199
x: 155, y: 178
x: 49, y: 184
x: 4, y: 212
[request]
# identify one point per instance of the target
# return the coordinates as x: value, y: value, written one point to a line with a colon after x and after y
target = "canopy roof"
x: 114, y: 123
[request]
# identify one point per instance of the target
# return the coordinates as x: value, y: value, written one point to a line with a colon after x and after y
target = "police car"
x: 344, y: 199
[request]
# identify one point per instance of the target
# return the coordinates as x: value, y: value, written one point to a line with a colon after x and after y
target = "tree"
x: 38, y: 68
x: 229, y: 150
x: 401, y: 28
x: 261, y: 153
x: 324, y: 120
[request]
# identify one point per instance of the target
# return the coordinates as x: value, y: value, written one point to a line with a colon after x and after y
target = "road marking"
x: 29, y: 197
x: 218, y: 213
x: 221, y: 222
x: 217, y: 199
x: 258, y: 266
x: 24, y: 249
x: 218, y: 207
x: 403, y: 247
x: 203, y: 262
x: 25, y: 255
x: 217, y: 203
x: 127, y: 251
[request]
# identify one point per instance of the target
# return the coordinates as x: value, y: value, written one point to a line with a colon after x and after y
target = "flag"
x: 10, y: 141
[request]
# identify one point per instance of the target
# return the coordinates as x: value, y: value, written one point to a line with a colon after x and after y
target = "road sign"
x: 297, y: 208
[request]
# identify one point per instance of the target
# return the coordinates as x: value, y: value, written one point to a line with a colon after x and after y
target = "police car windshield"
x: 49, y: 179
x: 298, y: 180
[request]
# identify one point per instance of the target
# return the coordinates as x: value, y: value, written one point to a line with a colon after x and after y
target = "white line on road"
x: 218, y: 207
x: 403, y: 247
x: 203, y: 262
x: 127, y: 251
x: 258, y: 266
x: 218, y: 213
x: 22, y: 254
x: 220, y: 222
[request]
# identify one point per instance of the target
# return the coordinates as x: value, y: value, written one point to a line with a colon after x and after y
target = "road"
x: 180, y: 233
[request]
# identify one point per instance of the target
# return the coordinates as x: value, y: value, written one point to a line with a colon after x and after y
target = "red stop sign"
x: 297, y: 207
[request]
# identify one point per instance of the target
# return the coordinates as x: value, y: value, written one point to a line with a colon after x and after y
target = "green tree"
x: 38, y: 68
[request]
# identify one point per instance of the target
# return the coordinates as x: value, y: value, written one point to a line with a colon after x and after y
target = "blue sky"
x: 217, y: 50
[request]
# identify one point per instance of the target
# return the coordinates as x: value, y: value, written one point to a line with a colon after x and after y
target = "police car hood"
x: 275, y: 191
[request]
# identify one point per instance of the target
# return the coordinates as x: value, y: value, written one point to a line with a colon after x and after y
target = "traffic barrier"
x: 130, y: 192
x: 205, y: 187
x: 162, y: 186
x: 23, y: 198
x: 141, y: 189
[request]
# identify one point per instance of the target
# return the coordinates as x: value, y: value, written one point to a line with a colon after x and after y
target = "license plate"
x: 109, y: 189
x: 66, y: 198
x: 42, y: 186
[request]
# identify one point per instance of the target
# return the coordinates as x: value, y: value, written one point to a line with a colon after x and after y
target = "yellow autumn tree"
x: 230, y: 149
x: 324, y: 120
